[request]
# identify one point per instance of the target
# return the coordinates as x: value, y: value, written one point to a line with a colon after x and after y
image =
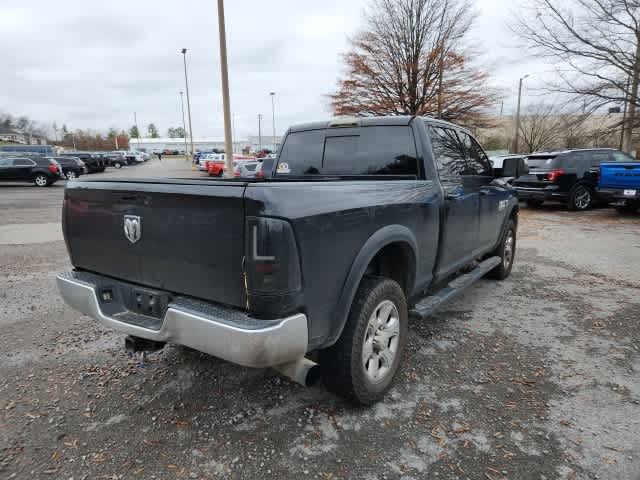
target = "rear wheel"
x: 581, y: 198
x: 363, y: 363
x: 117, y: 165
x: 534, y: 202
x: 507, y: 252
x: 71, y: 175
x: 41, y: 180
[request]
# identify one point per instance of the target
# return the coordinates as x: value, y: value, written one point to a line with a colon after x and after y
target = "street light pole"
x: 260, y: 132
x: 186, y: 82
x: 273, y: 113
x: 226, y: 101
x: 184, y: 126
x: 135, y: 122
x: 516, y: 145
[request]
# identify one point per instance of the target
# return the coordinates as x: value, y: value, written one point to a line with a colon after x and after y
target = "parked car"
x: 246, y: 168
x: 215, y: 168
x: 93, y: 162
x: 115, y: 159
x: 362, y: 223
x: 569, y: 177
x: 620, y: 182
x: 42, y: 171
x: 72, y: 167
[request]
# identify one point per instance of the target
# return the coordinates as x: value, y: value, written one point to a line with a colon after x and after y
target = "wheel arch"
x: 382, y: 246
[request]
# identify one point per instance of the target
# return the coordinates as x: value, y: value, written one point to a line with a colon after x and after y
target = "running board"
x: 457, y: 286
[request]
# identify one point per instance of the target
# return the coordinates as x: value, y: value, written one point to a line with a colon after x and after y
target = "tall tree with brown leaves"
x: 410, y: 60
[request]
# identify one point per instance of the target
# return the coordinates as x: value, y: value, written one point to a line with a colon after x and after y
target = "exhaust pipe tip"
x: 303, y: 372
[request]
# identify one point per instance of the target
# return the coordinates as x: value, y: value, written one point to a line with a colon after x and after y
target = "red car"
x: 215, y: 167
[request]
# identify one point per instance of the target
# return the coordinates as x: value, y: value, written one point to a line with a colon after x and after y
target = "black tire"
x: 117, y: 165
x: 343, y: 364
x: 534, y: 203
x: 581, y: 198
x: 41, y: 180
x: 503, y: 270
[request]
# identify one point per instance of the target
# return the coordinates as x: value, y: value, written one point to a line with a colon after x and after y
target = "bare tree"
x: 596, y: 44
x: 540, y: 128
x: 410, y: 60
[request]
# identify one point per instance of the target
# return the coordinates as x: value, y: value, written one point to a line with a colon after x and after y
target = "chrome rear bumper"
x: 218, y: 331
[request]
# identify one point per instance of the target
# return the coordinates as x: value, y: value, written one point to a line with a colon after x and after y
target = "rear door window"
x: 599, y: 157
x: 449, y: 153
x: 23, y: 162
x: 477, y: 160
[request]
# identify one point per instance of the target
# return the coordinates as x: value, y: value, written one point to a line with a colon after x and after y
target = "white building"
x: 202, y: 144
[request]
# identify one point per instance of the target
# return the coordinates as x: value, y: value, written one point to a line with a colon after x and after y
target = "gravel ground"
x: 532, y: 378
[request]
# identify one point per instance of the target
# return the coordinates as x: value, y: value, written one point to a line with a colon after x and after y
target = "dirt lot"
x: 532, y: 378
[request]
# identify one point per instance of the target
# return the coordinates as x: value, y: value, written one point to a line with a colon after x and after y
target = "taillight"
x: 272, y: 265
x: 53, y: 168
x: 553, y: 175
x: 260, y: 174
x: 236, y: 172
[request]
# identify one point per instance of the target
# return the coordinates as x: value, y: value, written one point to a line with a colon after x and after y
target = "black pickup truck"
x: 359, y: 224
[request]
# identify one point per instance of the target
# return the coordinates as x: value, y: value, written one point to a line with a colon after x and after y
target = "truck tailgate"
x: 190, y: 235
x: 620, y: 175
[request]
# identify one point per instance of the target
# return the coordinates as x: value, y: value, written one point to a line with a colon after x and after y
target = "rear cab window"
x: 361, y: 151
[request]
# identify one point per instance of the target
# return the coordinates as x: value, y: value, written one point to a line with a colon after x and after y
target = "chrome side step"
x: 457, y: 286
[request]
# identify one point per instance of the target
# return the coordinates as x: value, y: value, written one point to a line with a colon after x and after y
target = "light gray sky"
x: 92, y: 64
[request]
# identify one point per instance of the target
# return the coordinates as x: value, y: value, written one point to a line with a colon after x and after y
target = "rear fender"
x: 383, y: 237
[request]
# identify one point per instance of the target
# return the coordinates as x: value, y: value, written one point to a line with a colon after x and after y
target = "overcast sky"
x: 92, y: 64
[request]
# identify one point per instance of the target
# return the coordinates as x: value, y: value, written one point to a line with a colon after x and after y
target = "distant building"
x: 18, y: 136
x: 208, y: 143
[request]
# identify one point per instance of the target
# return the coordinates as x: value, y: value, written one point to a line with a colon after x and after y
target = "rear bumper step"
x: 456, y: 287
x: 219, y: 331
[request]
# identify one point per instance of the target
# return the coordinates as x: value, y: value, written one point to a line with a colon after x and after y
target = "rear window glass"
x: 364, y: 151
x: 540, y: 161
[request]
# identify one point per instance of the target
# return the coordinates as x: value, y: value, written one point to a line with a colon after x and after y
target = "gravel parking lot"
x: 535, y: 377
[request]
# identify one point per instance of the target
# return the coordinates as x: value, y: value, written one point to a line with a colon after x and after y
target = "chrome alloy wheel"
x: 509, y: 247
x: 381, y: 341
x: 582, y: 198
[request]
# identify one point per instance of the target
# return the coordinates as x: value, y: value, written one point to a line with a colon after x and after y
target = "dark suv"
x: 72, y: 167
x: 93, y: 162
x: 39, y: 170
x: 570, y: 177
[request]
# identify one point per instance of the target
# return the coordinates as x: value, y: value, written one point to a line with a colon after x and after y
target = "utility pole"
x: 226, y: 101
x: 184, y: 127
x: 260, y: 132
x: 273, y: 114
x: 516, y: 143
x: 186, y: 83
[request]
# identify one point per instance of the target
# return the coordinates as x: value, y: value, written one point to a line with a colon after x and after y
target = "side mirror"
x: 514, y: 167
